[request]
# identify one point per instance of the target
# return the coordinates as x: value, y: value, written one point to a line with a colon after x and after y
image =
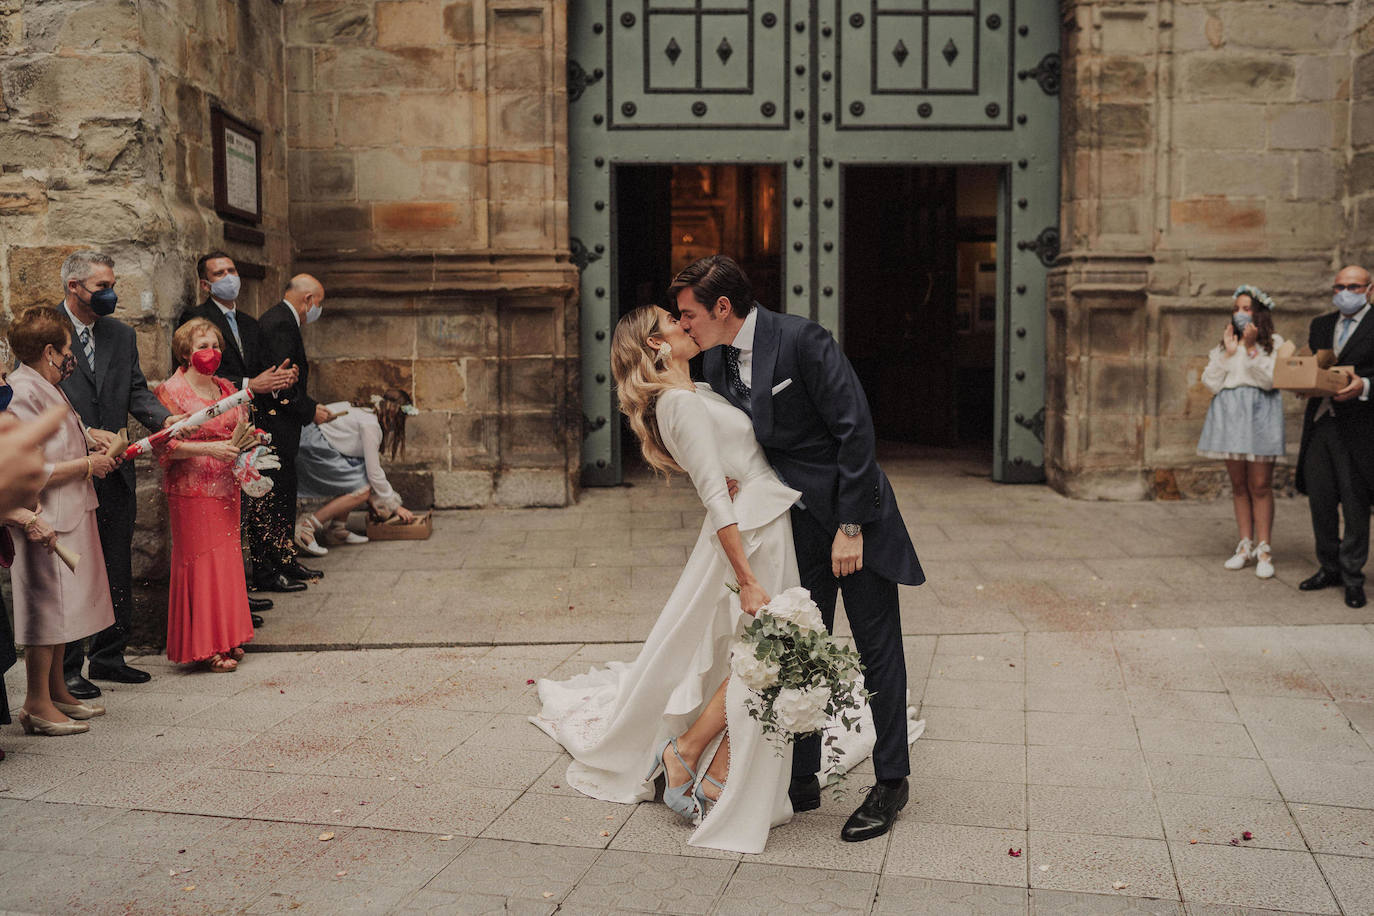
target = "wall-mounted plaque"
x: 238, y: 168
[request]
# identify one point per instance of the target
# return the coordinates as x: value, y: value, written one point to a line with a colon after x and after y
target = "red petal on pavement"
x: 1247, y: 835
x: 1014, y: 852
x: 529, y: 681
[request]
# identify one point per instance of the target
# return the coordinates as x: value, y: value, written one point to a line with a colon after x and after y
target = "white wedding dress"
x: 613, y: 719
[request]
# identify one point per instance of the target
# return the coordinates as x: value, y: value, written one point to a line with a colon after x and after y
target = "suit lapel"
x: 1358, y: 337
x: 104, y: 350
x: 761, y: 376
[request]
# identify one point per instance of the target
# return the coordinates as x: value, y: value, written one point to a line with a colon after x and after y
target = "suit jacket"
x: 105, y: 398
x: 1354, y: 419
x: 65, y: 505
x: 817, y: 431
x: 284, y: 416
x: 235, y: 364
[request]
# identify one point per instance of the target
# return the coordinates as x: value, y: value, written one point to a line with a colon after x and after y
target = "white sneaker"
x: 306, y: 540
x: 339, y: 534
x: 1244, y: 551
x: 1264, y: 560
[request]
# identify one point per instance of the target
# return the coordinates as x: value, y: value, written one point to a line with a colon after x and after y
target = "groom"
x: 811, y: 417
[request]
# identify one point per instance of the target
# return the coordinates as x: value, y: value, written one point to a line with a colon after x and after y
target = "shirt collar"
x: 744, y: 338
x: 292, y: 309
x: 223, y: 310
x: 80, y: 325
x: 1358, y: 316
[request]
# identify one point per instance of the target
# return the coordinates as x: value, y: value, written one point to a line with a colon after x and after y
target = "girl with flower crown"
x: 1244, y: 425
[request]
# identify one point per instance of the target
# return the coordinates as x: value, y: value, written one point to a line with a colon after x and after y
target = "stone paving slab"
x: 1111, y: 744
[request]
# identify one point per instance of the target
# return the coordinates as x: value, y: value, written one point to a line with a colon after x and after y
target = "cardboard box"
x: 1301, y: 371
x: 393, y: 530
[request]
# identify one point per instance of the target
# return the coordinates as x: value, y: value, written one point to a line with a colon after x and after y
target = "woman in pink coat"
x: 54, y: 605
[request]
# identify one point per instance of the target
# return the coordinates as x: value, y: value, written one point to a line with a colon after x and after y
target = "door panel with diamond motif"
x: 814, y: 87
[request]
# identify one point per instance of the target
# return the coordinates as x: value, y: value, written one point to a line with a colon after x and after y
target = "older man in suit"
x: 812, y: 419
x: 107, y: 386
x: 1336, y: 461
x: 284, y: 417
x: 242, y: 362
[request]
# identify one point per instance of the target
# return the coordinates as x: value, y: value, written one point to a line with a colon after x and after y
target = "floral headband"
x: 1255, y: 293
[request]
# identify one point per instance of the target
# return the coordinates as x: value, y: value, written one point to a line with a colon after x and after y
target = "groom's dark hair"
x: 710, y: 278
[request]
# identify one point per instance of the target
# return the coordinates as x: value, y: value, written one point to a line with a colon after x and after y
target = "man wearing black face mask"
x: 1336, y: 462
x: 106, y: 387
x: 243, y: 362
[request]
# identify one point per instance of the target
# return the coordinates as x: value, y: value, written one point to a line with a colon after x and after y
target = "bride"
x: 675, y: 710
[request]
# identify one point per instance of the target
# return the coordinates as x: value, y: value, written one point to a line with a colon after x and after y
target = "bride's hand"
x: 751, y: 598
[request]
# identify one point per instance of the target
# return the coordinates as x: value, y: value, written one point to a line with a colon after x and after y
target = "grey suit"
x: 104, y: 399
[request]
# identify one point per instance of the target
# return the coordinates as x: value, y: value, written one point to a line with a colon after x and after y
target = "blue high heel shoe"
x: 679, y: 798
x: 705, y: 802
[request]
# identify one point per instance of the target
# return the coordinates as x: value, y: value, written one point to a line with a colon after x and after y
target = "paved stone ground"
x: 1098, y: 693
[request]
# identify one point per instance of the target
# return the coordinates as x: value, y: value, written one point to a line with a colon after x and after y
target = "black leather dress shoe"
x: 259, y: 604
x: 1322, y: 579
x: 805, y: 794
x: 876, y: 814
x: 279, y: 583
x: 81, y: 688
x: 297, y: 571
x: 257, y: 620
x: 122, y: 675
x: 1354, y: 596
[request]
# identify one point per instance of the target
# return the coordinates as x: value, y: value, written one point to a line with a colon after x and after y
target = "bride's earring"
x: 665, y: 353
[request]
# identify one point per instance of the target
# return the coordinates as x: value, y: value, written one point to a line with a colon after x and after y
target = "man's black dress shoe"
x: 805, y: 794
x: 1322, y: 579
x: 257, y: 620
x: 259, y: 604
x: 81, y: 688
x: 1354, y: 596
x: 279, y: 583
x: 297, y: 571
x: 876, y: 814
x: 123, y: 675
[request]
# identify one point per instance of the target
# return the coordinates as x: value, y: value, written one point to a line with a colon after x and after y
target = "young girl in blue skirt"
x: 1244, y: 424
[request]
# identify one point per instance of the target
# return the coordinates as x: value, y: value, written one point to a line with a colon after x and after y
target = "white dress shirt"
x: 744, y: 343
x: 80, y: 326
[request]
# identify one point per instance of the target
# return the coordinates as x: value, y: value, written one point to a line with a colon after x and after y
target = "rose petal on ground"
x: 1119, y: 885
x: 326, y: 837
x: 1014, y: 852
x: 1247, y: 835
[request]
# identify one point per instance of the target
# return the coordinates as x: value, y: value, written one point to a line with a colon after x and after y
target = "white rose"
x: 795, y: 606
x: 801, y: 711
x: 754, y: 672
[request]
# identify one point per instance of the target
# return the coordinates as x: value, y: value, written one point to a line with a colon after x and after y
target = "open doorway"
x: 667, y: 216
x: 920, y: 299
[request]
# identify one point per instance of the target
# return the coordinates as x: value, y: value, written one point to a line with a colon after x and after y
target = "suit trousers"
x: 273, y: 519
x: 115, y: 517
x: 870, y: 603
x: 1335, y: 489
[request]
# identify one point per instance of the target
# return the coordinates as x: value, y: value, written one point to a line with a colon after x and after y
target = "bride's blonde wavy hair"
x: 639, y: 382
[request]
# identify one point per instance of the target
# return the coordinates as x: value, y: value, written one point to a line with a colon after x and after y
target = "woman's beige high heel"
x: 81, y: 710
x: 36, y: 726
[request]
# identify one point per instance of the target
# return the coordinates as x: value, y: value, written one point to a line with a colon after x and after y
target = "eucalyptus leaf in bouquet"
x: 801, y: 678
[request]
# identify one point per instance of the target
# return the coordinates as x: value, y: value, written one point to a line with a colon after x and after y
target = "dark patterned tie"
x: 732, y: 376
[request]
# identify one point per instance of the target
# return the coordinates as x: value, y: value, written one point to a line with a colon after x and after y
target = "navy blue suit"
x: 818, y: 433
x: 104, y: 399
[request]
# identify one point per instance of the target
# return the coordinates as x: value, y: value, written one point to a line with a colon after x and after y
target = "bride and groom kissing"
x: 779, y: 444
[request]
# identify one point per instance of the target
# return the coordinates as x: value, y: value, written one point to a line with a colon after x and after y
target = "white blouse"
x: 1240, y: 369
x: 357, y: 434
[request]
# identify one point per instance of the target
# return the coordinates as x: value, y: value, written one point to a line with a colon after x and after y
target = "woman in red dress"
x: 207, y: 608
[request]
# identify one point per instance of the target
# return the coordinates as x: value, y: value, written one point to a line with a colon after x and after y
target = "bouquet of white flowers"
x: 801, y: 678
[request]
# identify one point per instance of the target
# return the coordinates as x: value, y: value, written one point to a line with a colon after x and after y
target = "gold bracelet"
x: 90, y: 468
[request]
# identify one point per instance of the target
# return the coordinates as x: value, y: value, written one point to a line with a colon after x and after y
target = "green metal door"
x: 816, y: 86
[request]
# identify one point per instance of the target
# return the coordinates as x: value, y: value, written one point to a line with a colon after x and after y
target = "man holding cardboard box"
x: 1336, y: 461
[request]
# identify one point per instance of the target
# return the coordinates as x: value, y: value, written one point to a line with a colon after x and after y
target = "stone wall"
x: 428, y: 175
x: 1204, y: 145
x: 104, y: 143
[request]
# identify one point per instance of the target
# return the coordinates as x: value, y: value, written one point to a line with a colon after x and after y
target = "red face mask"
x: 206, y: 361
